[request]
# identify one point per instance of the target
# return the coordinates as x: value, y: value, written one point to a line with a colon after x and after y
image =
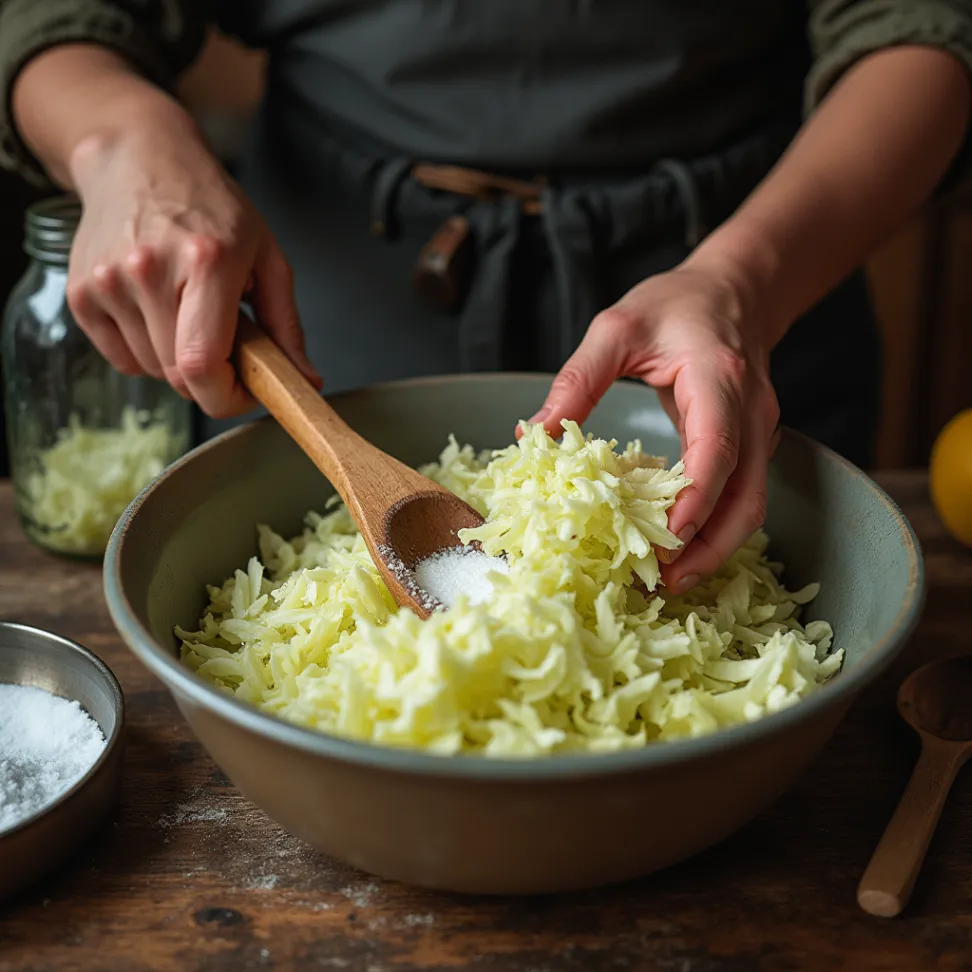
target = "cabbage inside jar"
x: 83, y: 439
x: 75, y: 491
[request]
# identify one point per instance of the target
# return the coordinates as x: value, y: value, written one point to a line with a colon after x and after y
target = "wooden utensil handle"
x: 277, y: 384
x: 887, y: 883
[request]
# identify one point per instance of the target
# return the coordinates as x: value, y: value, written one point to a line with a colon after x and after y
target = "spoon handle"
x: 887, y: 883
x: 277, y: 384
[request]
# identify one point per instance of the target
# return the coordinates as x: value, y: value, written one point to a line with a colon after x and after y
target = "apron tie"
x: 387, y: 181
x: 470, y: 210
x: 496, y: 232
x: 687, y: 188
x: 568, y: 224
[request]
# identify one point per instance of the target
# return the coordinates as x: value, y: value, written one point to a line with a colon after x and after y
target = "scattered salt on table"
x: 461, y: 570
x: 46, y: 745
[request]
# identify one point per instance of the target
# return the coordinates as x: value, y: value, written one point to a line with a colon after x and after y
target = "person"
x: 678, y: 193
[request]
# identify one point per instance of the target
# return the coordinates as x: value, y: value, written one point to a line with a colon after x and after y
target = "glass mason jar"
x: 83, y: 439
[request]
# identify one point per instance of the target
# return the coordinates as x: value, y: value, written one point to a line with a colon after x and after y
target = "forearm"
x: 866, y: 160
x: 71, y: 102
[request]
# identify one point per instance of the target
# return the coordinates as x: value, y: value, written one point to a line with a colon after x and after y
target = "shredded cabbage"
x: 576, y: 651
x: 89, y: 476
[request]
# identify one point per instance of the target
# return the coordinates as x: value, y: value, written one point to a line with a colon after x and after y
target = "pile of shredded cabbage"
x: 572, y: 653
x: 88, y: 477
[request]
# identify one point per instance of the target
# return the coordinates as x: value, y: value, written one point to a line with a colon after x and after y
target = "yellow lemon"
x: 951, y: 476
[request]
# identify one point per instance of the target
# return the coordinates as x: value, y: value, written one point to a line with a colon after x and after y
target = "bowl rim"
x: 182, y: 682
x: 112, y: 741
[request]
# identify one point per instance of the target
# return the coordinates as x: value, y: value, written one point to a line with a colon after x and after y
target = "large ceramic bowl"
x: 467, y: 823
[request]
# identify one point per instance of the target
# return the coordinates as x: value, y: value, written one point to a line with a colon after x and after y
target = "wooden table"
x: 189, y: 876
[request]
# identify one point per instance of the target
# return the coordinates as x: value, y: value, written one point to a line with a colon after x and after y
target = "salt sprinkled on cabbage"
x: 576, y: 651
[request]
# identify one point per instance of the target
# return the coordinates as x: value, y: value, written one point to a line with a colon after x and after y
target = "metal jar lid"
x: 49, y: 228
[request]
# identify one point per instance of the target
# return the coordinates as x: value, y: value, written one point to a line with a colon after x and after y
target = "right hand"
x: 696, y: 335
x: 167, y: 247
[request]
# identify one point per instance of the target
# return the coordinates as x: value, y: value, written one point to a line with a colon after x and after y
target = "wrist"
x: 127, y: 121
x: 73, y: 102
x: 745, y: 258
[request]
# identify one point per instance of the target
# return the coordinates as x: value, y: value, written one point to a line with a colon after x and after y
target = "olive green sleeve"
x: 844, y: 31
x: 159, y: 37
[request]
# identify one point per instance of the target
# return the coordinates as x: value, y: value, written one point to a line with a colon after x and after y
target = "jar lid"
x: 49, y: 227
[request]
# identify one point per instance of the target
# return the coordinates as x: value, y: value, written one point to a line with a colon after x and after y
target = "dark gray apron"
x: 537, y: 280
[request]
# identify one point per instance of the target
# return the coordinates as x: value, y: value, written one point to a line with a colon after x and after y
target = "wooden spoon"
x: 403, y: 516
x: 936, y: 701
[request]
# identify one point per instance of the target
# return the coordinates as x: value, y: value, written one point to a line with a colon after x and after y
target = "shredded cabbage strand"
x: 89, y: 476
x: 576, y: 651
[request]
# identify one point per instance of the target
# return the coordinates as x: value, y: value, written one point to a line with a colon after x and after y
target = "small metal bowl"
x: 37, y: 845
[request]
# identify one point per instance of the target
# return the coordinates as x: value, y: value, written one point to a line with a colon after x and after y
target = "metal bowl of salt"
x: 61, y: 722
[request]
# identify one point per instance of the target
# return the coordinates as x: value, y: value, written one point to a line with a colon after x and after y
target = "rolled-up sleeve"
x: 158, y: 37
x: 842, y: 32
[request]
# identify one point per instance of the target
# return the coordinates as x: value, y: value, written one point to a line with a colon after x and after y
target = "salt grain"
x: 407, y: 579
x: 46, y: 745
x: 461, y: 570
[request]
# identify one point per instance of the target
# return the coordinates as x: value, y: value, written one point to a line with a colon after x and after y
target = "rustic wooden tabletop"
x: 189, y: 876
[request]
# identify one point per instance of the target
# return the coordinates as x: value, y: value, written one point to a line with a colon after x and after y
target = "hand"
x: 692, y: 335
x: 167, y: 247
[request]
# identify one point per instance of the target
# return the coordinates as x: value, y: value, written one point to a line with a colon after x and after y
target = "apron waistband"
x: 581, y: 218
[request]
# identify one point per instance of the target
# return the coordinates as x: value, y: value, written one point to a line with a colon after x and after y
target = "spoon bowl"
x: 425, y: 523
x: 936, y: 700
x: 417, y: 527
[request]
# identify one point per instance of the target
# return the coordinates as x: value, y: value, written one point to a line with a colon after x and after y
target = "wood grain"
x: 188, y: 876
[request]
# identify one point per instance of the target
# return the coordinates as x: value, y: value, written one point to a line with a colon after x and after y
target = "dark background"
x: 921, y: 280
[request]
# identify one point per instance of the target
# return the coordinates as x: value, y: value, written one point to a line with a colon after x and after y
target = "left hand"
x: 693, y: 335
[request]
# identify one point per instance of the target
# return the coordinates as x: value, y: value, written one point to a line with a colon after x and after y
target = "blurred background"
x: 921, y: 280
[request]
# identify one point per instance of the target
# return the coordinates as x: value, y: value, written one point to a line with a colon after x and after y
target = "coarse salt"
x: 46, y: 745
x: 407, y: 578
x: 460, y: 570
